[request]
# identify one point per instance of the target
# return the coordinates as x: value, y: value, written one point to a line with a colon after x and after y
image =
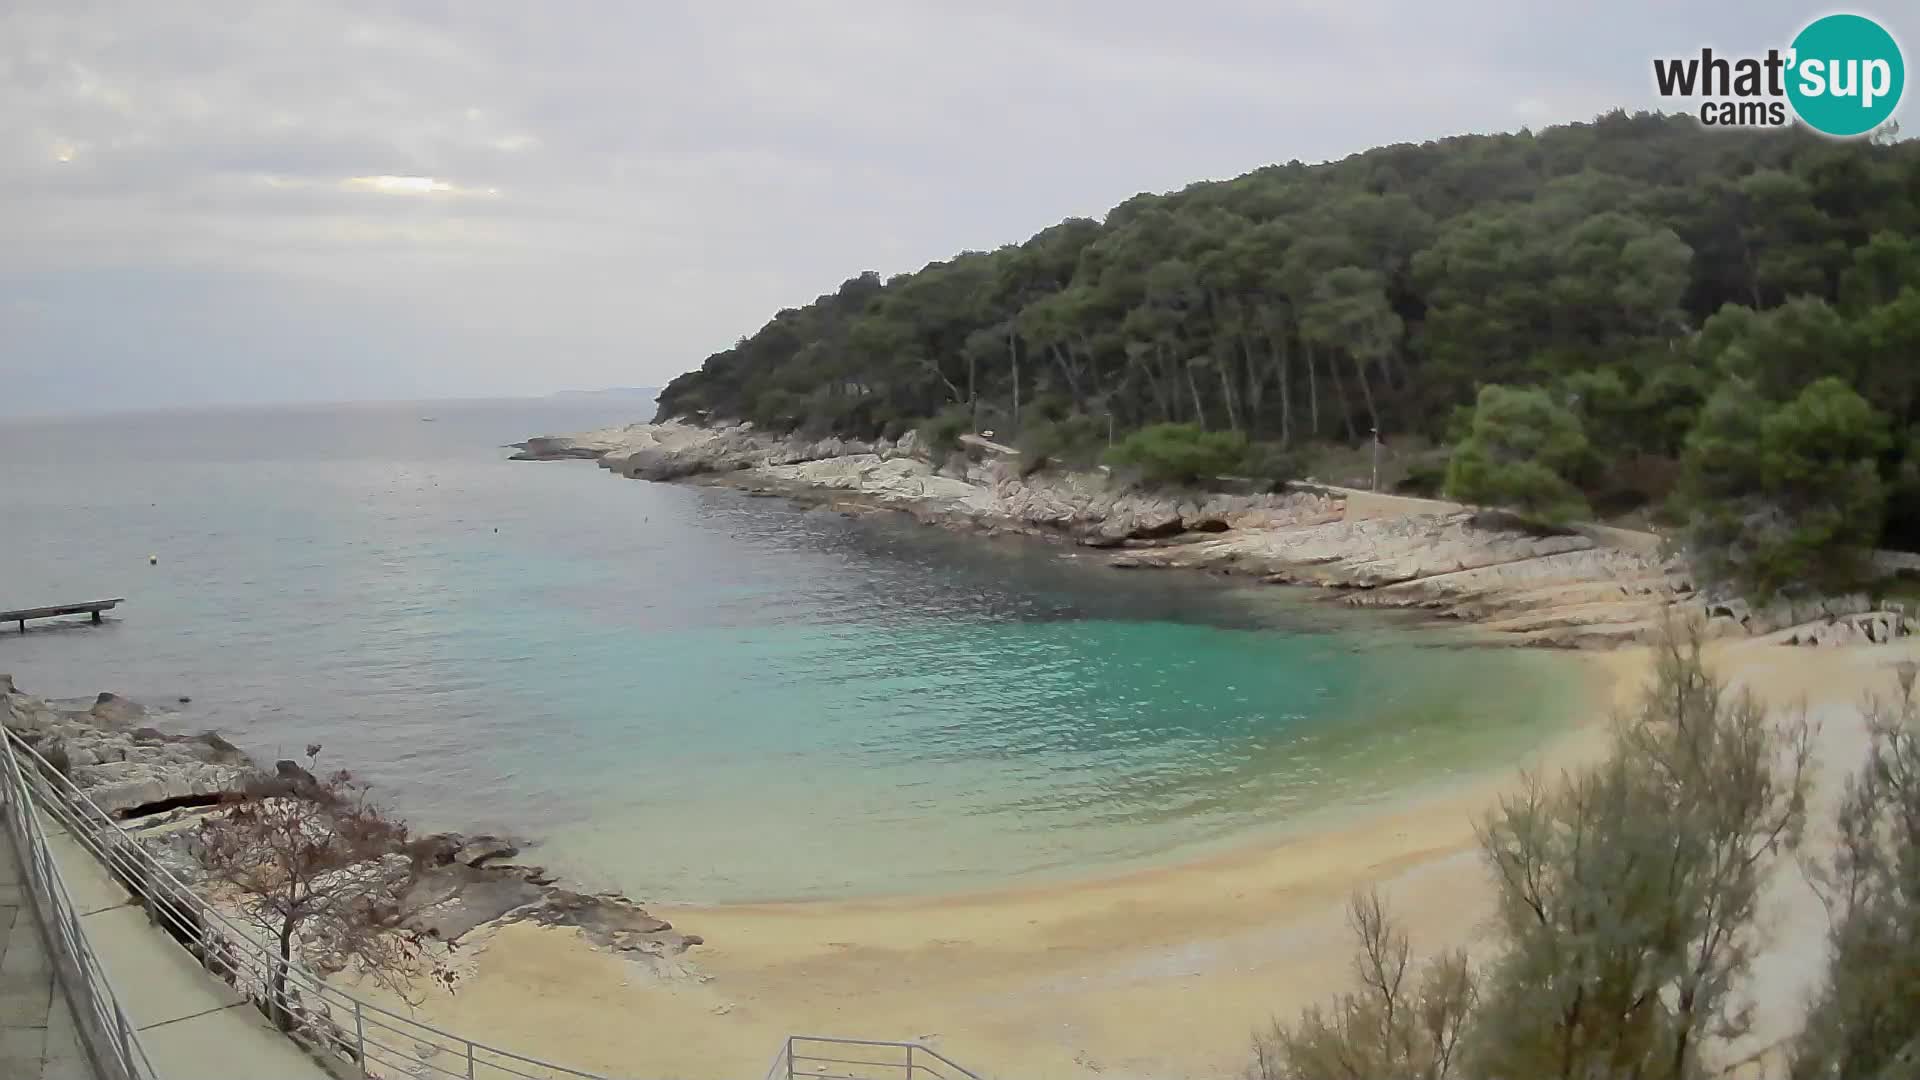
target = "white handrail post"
x: 231, y: 953
x: 142, y: 884
x: 126, y: 1038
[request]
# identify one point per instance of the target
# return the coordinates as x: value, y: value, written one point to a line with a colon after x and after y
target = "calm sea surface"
x: 696, y: 695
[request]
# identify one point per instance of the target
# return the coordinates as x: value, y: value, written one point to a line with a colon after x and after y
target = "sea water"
x: 692, y: 694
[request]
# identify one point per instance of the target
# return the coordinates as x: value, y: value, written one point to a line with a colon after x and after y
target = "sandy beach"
x: 1159, y: 973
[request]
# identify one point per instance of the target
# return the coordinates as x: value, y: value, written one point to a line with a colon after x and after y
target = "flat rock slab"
x: 481, y: 849
x: 610, y: 921
x: 469, y: 901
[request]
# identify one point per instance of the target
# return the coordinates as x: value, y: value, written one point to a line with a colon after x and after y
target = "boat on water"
x: 428, y: 419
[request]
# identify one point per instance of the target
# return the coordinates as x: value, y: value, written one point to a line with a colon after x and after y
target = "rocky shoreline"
x: 158, y: 786
x: 1587, y: 588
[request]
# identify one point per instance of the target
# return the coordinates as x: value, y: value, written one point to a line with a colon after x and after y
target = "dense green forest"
x: 1716, y: 326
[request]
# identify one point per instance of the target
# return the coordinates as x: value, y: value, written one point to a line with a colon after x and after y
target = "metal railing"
x: 823, y: 1057
x: 104, y: 1031
x: 377, y: 1040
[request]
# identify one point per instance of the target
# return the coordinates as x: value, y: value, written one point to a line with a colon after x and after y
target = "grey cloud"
x: 667, y: 174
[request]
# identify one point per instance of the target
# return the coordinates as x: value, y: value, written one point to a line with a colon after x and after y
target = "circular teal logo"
x: 1847, y: 75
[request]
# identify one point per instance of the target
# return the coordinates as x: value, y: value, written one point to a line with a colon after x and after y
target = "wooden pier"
x: 91, y: 607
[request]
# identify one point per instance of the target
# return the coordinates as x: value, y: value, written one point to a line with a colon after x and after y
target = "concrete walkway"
x: 194, y: 1026
x: 37, y: 1040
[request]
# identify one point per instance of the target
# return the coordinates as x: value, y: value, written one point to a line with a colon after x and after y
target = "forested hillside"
x: 1722, y: 324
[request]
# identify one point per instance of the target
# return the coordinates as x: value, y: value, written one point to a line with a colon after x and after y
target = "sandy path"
x: 1161, y: 973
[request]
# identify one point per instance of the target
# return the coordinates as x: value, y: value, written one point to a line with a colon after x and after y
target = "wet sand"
x: 1157, y: 973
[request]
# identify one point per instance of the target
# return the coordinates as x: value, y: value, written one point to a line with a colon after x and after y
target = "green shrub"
x: 863, y: 417
x: 1271, y: 466
x: 778, y: 410
x: 1179, y: 454
x: 1426, y: 477
x: 941, y: 434
x: 1075, y: 441
x: 1517, y: 455
x: 1788, y: 495
x: 1049, y: 407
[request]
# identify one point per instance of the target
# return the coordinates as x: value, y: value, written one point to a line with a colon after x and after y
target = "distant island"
x: 639, y: 393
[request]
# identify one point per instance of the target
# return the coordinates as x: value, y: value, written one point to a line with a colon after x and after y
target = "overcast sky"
x: 257, y: 201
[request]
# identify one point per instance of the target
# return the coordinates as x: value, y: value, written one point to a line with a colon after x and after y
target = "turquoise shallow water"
x: 696, y: 695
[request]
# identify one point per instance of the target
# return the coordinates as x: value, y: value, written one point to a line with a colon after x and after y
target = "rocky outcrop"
x: 122, y: 766
x: 893, y: 480
x: 484, y: 849
x: 1871, y: 628
x: 672, y: 451
x: 553, y: 449
x: 1577, y: 589
x: 452, y: 901
x: 1557, y: 591
x: 164, y: 784
x: 616, y: 923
